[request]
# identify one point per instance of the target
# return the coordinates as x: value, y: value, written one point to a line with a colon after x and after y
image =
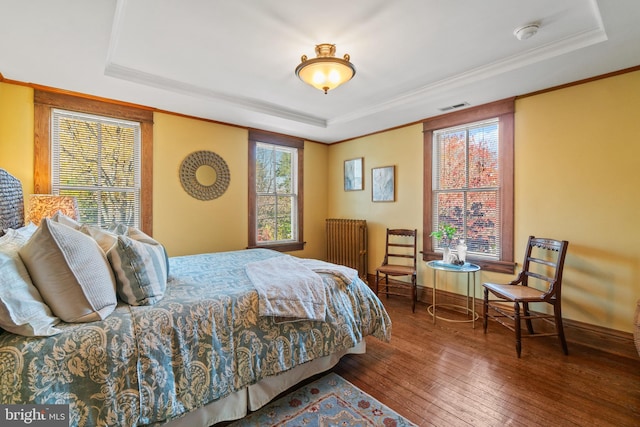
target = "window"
x: 100, y: 152
x: 275, y: 191
x: 466, y: 183
x: 97, y: 160
x: 469, y: 182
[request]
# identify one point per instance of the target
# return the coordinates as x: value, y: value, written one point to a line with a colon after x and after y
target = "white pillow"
x: 22, y: 310
x: 66, y: 220
x: 27, y: 231
x: 139, y: 263
x: 71, y: 272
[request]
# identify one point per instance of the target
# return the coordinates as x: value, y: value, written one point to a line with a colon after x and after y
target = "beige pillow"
x: 105, y: 239
x: 71, y: 272
x: 22, y: 310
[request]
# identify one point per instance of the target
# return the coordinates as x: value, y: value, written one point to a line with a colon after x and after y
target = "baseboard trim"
x: 593, y: 336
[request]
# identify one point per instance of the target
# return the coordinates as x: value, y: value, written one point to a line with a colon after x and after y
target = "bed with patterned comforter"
x: 203, y: 341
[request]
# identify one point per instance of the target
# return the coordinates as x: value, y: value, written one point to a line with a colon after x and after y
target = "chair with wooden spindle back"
x: 540, y: 281
x: 401, y: 244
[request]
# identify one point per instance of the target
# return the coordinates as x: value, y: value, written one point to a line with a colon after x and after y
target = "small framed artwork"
x: 383, y: 184
x: 353, y: 179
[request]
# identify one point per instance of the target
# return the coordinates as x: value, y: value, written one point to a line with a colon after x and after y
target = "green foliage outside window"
x: 275, y: 193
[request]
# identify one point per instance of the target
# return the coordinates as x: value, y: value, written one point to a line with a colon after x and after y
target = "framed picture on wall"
x: 383, y: 186
x: 353, y: 178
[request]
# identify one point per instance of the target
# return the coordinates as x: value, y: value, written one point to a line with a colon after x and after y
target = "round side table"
x: 470, y: 270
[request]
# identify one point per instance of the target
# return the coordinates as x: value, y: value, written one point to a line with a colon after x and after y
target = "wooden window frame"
x: 256, y: 136
x: 44, y: 101
x: 503, y: 110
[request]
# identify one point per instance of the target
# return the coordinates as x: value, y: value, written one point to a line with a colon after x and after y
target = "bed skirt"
x: 252, y: 398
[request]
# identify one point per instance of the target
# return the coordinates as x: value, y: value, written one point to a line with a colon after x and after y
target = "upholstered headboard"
x: 11, y: 202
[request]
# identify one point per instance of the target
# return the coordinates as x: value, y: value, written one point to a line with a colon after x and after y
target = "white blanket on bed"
x: 289, y: 288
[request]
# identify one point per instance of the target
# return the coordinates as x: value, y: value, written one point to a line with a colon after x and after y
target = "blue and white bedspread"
x: 201, y: 342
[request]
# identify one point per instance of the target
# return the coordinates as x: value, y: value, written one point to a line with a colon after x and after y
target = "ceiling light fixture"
x: 526, y: 31
x: 325, y: 72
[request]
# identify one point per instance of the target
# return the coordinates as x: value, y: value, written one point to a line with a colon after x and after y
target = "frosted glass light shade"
x: 325, y: 72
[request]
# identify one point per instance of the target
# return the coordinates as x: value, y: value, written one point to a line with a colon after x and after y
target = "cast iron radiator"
x: 347, y: 244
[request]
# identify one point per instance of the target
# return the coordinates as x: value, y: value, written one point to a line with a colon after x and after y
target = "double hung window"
x: 97, y: 160
x: 100, y: 152
x: 468, y: 183
x: 275, y: 196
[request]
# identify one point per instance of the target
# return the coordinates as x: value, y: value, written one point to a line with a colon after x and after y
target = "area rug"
x: 329, y: 401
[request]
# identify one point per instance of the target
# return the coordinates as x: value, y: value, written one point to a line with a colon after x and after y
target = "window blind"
x: 466, y: 180
x: 97, y: 160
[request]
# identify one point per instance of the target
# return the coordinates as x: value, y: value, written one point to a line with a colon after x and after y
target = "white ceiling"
x: 233, y: 60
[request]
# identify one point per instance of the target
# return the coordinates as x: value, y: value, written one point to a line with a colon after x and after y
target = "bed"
x: 200, y: 353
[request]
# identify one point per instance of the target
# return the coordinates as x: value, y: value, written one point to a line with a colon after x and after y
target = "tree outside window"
x: 275, y: 193
x: 466, y: 185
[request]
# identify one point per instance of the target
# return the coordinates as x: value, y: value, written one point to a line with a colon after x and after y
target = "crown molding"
x: 149, y: 79
x: 529, y: 57
x: 493, y: 69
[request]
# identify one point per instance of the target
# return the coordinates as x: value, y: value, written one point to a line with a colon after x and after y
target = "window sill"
x: 281, y: 247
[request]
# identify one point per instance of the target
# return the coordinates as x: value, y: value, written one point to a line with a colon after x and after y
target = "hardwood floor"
x: 449, y: 374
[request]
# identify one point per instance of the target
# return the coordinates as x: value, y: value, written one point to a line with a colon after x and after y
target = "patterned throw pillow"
x: 22, y: 310
x: 138, y: 262
x: 71, y: 272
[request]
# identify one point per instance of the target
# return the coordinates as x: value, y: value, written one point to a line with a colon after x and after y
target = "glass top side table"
x: 470, y: 270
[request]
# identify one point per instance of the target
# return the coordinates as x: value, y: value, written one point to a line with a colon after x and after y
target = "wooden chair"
x: 543, y: 265
x: 400, y: 244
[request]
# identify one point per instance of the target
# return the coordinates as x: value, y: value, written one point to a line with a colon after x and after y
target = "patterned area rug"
x: 329, y: 401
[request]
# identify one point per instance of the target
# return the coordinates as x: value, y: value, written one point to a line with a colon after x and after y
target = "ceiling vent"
x: 455, y: 107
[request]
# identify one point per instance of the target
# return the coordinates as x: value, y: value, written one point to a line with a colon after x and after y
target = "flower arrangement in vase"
x: 445, y: 235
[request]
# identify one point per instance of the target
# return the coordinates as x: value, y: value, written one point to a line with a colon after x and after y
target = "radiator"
x: 347, y: 244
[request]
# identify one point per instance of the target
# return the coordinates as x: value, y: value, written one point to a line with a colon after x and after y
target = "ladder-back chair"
x: 540, y: 281
x: 400, y: 259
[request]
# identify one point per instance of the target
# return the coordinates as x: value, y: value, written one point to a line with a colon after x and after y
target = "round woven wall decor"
x: 190, y: 183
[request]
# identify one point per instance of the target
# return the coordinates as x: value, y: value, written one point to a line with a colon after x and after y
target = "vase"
x: 446, y: 254
x: 462, y: 250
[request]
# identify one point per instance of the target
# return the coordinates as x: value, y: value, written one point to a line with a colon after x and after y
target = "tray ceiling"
x: 234, y: 61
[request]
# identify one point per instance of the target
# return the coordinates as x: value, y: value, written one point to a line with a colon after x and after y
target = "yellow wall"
x: 16, y: 133
x: 577, y: 158
x: 577, y: 164
x: 183, y: 224
x: 401, y: 148
x: 187, y: 225
x: 316, y: 196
